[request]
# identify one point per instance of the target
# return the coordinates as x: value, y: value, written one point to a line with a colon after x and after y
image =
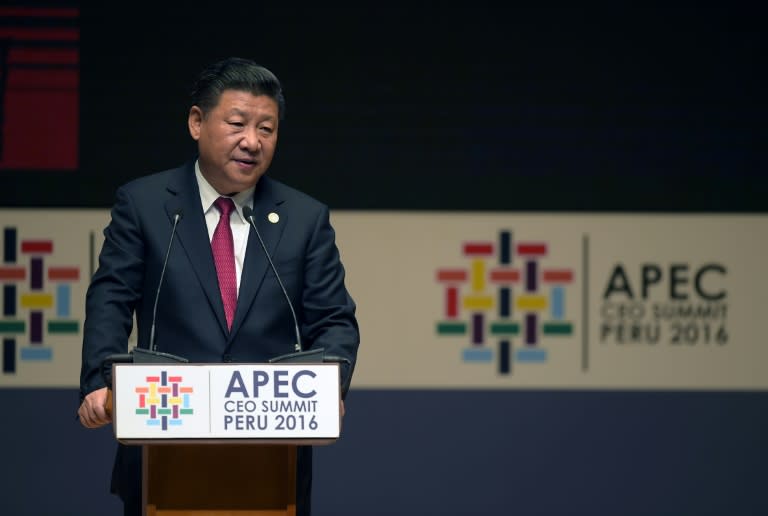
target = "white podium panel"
x: 226, y: 401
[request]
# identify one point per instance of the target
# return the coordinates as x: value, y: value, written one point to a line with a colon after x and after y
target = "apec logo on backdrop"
x: 513, y: 309
x: 678, y: 304
x: 37, y: 301
x: 503, y: 295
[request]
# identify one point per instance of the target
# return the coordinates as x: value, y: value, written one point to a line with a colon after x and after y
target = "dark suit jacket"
x: 190, y: 318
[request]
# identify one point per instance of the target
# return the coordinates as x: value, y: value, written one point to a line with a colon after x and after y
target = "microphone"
x: 176, y: 218
x: 141, y: 355
x: 151, y: 354
x: 248, y: 214
x: 300, y: 356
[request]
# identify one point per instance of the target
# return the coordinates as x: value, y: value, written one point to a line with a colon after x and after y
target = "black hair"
x: 236, y: 73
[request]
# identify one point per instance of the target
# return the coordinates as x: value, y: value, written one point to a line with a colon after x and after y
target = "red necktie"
x: 224, y: 255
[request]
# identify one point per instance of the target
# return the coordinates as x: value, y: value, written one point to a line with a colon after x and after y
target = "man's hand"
x: 92, y: 411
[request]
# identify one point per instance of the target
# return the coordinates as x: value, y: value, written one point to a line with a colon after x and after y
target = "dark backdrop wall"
x: 626, y: 108
x: 611, y: 108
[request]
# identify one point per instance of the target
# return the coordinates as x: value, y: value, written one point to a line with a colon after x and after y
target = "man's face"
x: 236, y: 140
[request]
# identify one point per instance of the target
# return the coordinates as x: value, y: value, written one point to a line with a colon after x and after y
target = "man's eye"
x: 236, y: 124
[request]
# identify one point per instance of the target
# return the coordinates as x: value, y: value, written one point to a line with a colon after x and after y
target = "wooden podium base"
x: 220, y: 479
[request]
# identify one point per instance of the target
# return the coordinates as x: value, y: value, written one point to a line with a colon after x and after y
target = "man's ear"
x: 194, y: 122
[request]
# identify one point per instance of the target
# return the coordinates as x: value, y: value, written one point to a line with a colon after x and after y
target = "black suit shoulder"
x: 159, y: 182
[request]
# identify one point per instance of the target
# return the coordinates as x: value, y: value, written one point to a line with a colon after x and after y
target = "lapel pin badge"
x: 273, y: 217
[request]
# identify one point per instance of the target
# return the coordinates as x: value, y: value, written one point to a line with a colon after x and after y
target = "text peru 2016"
x: 289, y: 405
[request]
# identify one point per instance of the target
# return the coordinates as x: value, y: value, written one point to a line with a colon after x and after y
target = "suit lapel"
x: 193, y: 235
x: 256, y: 263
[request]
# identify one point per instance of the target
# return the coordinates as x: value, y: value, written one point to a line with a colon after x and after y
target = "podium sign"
x: 261, y: 402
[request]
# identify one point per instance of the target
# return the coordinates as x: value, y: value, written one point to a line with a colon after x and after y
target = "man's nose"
x: 251, y: 139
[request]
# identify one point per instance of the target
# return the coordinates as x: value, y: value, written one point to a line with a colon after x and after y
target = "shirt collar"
x: 208, y: 194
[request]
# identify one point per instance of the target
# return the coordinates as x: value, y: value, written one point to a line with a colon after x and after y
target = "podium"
x: 221, y: 439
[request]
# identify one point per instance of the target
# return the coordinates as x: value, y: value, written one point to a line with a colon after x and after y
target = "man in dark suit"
x: 208, y: 312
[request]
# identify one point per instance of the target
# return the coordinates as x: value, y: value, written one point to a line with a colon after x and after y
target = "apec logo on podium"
x: 161, y: 401
x: 164, y: 400
x: 275, y: 400
x: 158, y: 401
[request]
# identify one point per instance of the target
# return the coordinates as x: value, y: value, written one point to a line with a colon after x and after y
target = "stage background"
x: 473, y: 109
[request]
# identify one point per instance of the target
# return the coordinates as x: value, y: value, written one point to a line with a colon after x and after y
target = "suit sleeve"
x: 113, y: 292
x: 329, y: 320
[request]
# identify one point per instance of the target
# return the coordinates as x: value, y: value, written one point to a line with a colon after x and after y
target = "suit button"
x: 227, y: 357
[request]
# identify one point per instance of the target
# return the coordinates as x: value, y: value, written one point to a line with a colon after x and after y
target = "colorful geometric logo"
x: 28, y: 308
x: 505, y: 296
x: 164, y: 400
